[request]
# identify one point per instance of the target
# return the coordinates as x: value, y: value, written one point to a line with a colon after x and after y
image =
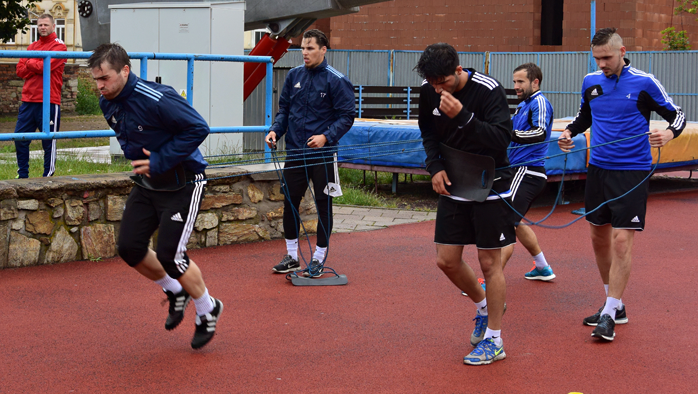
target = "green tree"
x: 14, y: 17
x: 678, y: 40
x: 675, y: 41
x: 688, y: 6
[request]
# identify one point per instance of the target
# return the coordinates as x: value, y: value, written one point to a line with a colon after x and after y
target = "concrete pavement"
x: 351, y: 218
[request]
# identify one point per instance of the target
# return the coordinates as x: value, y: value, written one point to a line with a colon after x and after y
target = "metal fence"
x: 563, y: 73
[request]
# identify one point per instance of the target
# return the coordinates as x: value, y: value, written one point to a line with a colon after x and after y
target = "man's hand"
x: 439, y: 182
x: 142, y: 167
x: 450, y: 105
x: 317, y: 141
x: 565, y: 141
x: 270, y: 139
x: 659, y: 138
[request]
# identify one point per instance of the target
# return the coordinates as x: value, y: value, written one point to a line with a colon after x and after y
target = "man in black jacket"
x: 468, y: 111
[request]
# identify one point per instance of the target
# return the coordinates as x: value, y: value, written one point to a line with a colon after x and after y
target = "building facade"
x: 65, y: 15
x: 504, y: 25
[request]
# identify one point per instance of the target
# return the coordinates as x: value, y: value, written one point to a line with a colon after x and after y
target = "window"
x: 551, y: 22
x: 60, y: 29
x: 10, y: 41
x: 258, y: 34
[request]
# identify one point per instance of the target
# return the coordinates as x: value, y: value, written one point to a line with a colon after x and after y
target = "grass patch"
x: 87, y: 102
x: 65, y: 165
x: 356, y: 196
x: 9, y: 146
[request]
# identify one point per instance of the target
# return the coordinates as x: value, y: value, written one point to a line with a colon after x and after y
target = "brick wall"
x: 11, y: 88
x: 501, y: 25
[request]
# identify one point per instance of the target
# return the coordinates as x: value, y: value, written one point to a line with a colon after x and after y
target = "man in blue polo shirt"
x: 532, y: 122
x: 619, y: 99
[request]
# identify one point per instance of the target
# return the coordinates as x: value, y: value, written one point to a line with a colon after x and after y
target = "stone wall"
x: 11, y: 88
x: 61, y: 219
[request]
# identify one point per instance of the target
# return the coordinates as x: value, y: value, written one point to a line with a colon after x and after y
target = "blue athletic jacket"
x: 314, y: 101
x: 620, y: 107
x: 153, y: 116
x: 532, y: 121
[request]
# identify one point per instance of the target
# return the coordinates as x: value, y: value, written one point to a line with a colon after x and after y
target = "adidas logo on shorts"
x: 298, y: 85
x: 501, y: 237
x: 635, y: 220
x: 177, y: 217
x: 436, y: 112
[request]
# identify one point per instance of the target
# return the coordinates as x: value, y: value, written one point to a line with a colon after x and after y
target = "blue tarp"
x: 377, y: 143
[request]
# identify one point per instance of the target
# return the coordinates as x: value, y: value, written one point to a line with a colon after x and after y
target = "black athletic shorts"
x: 320, y: 170
x: 527, y: 184
x: 488, y: 225
x: 172, y: 213
x: 625, y: 213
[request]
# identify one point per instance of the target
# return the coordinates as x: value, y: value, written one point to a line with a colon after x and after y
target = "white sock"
x: 320, y: 253
x: 612, y: 305
x: 292, y: 248
x: 482, y: 307
x: 204, y: 304
x: 496, y: 336
x: 606, y: 288
x: 169, y: 284
x: 540, y: 261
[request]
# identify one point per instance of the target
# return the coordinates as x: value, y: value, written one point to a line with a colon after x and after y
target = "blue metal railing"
x: 143, y: 56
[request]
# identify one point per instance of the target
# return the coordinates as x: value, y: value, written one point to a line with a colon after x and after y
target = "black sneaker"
x: 593, y: 320
x: 287, y: 264
x: 604, y: 328
x: 206, y: 325
x: 178, y: 303
x: 315, y: 270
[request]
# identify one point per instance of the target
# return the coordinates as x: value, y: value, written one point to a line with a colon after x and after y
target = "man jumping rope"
x: 160, y: 132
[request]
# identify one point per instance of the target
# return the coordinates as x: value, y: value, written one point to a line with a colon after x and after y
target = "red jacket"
x: 31, y: 70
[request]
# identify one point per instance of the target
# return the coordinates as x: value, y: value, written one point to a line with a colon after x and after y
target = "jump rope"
x: 303, y: 153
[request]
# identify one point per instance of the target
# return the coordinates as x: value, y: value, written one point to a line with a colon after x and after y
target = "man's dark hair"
x: 114, y: 54
x: 605, y: 36
x: 319, y: 36
x: 533, y: 72
x: 437, y: 61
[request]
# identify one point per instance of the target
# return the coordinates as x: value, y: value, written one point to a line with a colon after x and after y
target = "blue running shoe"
x: 486, y: 352
x: 544, y: 274
x: 479, y: 331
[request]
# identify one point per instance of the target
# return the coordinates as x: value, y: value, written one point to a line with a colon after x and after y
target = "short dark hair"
x: 319, y: 36
x: 533, y: 72
x: 46, y: 16
x: 605, y: 36
x: 437, y: 61
x: 114, y: 54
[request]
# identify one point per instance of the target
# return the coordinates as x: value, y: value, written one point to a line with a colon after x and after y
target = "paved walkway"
x: 351, y: 218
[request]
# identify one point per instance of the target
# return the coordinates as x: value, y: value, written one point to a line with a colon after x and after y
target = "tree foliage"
x: 675, y: 41
x: 688, y: 6
x: 14, y: 17
x: 678, y: 40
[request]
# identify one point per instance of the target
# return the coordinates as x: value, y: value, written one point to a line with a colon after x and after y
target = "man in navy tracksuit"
x: 532, y: 124
x: 316, y: 109
x: 617, y: 102
x: 160, y: 132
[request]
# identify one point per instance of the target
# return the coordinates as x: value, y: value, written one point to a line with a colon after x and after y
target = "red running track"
x: 398, y: 327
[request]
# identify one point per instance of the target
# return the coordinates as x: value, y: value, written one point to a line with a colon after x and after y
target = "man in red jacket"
x: 30, y: 112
